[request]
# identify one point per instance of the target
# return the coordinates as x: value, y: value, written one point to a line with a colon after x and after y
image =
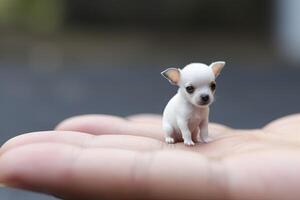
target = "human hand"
x: 98, y: 156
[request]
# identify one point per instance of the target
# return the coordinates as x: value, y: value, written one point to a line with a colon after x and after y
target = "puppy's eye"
x: 190, y: 89
x: 213, y: 86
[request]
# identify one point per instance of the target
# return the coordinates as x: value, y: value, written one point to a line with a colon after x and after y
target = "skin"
x: 99, y: 156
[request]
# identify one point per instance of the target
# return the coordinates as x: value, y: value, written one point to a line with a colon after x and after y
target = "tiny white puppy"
x: 186, y: 115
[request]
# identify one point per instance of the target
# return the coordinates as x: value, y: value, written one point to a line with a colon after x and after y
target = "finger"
x: 214, y: 149
x: 71, y: 172
x: 285, y: 125
x: 146, y: 118
x: 104, y: 124
x: 85, y: 140
x: 68, y: 171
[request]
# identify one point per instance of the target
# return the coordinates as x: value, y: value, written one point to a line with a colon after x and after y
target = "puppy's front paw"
x: 169, y: 140
x: 207, y: 140
x: 189, y: 143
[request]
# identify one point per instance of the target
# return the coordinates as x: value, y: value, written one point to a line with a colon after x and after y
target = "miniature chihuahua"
x: 186, y: 114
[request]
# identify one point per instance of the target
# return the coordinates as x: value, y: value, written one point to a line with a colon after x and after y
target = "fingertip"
x: 15, y: 141
x: 33, y: 165
x: 70, y: 123
x: 88, y: 123
x: 284, y: 123
x: 63, y: 137
x: 23, y: 139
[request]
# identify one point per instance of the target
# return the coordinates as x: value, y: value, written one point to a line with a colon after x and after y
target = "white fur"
x: 184, y: 117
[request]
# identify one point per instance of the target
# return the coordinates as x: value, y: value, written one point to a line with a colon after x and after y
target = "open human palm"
x: 99, y: 156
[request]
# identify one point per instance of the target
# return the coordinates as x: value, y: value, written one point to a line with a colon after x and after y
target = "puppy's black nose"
x: 205, y: 97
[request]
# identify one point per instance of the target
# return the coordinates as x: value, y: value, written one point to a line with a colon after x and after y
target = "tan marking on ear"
x: 172, y: 74
x: 217, y: 67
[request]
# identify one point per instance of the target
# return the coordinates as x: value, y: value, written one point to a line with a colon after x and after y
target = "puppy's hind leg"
x: 196, y: 135
x: 169, y: 133
x: 204, y: 132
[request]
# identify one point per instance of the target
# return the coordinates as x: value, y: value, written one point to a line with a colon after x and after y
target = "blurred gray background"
x: 60, y: 58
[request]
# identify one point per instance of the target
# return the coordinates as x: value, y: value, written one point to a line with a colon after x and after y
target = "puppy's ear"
x: 217, y: 67
x: 172, y: 74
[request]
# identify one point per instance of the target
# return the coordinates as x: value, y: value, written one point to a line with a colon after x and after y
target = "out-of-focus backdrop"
x: 60, y: 58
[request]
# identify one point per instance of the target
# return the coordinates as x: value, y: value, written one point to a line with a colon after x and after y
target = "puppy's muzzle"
x: 204, y: 99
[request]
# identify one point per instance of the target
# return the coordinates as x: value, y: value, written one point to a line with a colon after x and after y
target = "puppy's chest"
x: 195, y: 119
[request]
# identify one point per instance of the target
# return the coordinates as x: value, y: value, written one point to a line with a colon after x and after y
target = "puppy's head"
x: 196, y: 81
